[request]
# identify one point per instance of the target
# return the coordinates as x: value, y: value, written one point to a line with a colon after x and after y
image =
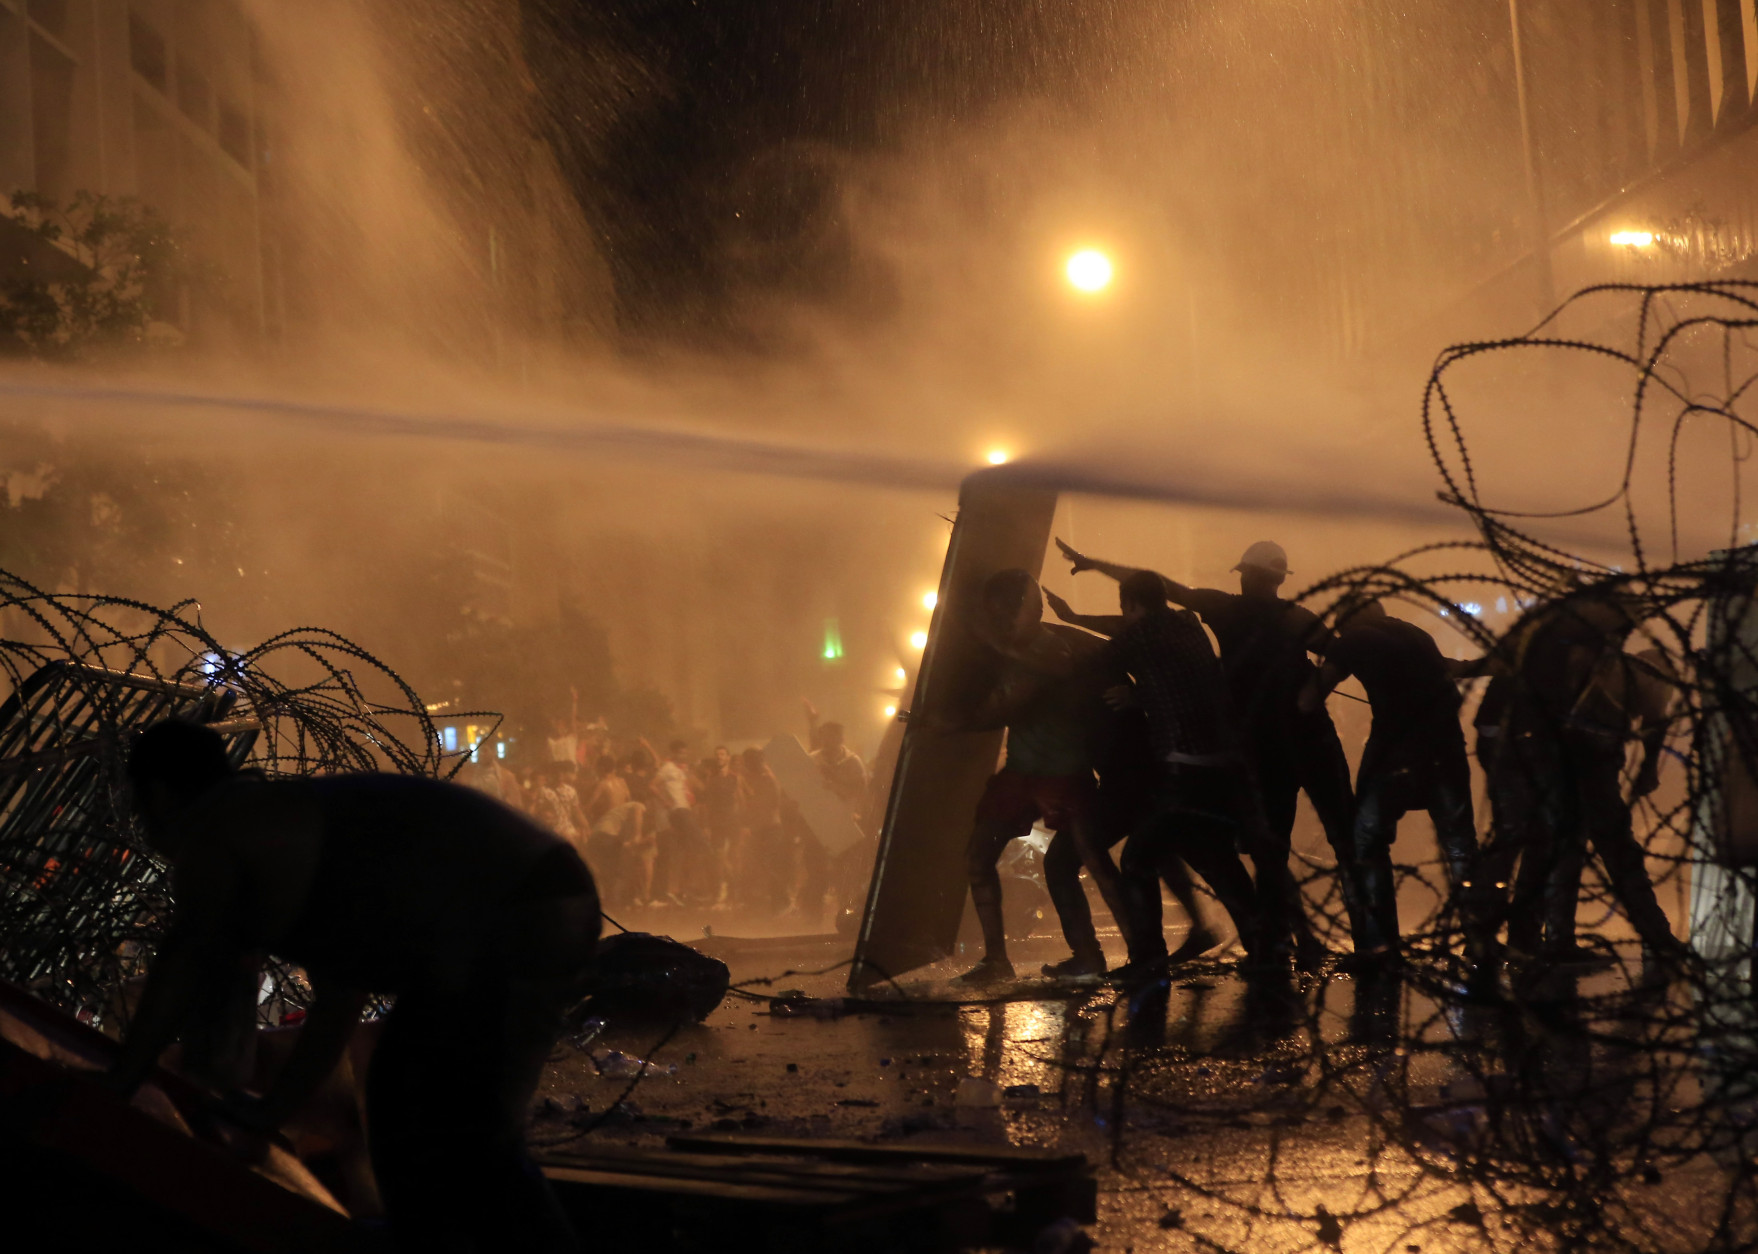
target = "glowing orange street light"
x: 1089, y: 270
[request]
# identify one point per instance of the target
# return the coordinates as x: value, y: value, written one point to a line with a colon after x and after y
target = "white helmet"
x: 1265, y: 555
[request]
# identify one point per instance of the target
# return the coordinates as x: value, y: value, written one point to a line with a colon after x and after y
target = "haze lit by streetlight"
x: 997, y: 456
x: 1089, y: 270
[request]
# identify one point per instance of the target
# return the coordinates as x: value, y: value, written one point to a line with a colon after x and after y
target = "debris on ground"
x: 978, y: 1093
x: 646, y: 978
x: 620, y: 1066
x: 794, y: 1004
x: 1065, y: 1236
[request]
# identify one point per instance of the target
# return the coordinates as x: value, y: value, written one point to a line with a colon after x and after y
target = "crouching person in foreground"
x: 480, y: 923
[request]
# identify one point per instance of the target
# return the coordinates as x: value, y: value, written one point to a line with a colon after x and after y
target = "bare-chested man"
x: 479, y: 922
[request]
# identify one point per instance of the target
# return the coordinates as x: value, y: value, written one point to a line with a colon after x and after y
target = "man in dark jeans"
x: 1264, y: 644
x: 719, y: 807
x: 1415, y: 759
x: 1201, y: 809
x: 1552, y: 730
x: 1128, y: 791
x: 480, y: 923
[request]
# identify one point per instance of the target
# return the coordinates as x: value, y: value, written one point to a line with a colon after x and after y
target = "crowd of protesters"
x: 1229, y: 736
x: 716, y: 832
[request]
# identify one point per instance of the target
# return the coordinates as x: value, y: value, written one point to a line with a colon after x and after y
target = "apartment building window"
x: 147, y: 52
x: 194, y: 96
x: 51, y: 15
x: 235, y: 133
x: 52, y: 117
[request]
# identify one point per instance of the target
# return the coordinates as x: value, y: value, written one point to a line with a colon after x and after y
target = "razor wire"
x: 1609, y: 1103
x: 1552, y: 1105
x: 83, y: 898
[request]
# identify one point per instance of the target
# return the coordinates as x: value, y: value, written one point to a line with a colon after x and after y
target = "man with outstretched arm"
x: 1048, y: 697
x: 1264, y: 643
x: 1414, y: 759
x: 481, y: 924
x: 1203, y: 810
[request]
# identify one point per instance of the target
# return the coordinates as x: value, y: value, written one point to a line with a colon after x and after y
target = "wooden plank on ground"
x: 724, y: 1209
x: 808, y: 1174
x: 1011, y: 1157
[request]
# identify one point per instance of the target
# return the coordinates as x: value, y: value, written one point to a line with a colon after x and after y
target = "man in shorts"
x: 1048, y: 697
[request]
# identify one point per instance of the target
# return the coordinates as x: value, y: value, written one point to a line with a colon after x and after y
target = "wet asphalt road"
x: 1223, y: 1114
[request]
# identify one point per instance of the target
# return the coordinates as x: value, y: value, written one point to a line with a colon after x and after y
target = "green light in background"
x: 832, y: 641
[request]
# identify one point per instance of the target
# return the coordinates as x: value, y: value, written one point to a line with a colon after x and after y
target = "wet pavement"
x: 1223, y: 1113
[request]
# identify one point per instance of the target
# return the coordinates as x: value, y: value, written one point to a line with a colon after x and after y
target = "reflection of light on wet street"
x: 1410, y: 1115
x: 1016, y: 1042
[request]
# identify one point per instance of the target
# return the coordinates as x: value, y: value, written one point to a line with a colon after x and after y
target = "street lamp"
x: 1089, y: 270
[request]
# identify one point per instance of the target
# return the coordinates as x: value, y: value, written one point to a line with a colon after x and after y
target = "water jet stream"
x: 744, y: 455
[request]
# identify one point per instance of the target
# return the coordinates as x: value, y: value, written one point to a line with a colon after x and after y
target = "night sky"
x: 704, y: 138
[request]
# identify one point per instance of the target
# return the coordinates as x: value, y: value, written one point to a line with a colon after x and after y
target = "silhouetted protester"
x: 481, y: 924
x: 1128, y: 774
x: 718, y: 806
x: 563, y: 743
x: 1264, y: 644
x: 553, y: 802
x: 1048, y: 698
x: 491, y: 775
x: 684, y: 864
x: 1414, y: 760
x: 764, y: 865
x: 1203, y: 808
x: 566, y: 777
x: 619, y: 844
x: 1553, y: 728
x: 844, y: 773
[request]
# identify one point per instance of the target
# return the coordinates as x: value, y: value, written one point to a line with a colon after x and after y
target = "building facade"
x: 386, y: 170
x: 1609, y: 141
x: 155, y: 99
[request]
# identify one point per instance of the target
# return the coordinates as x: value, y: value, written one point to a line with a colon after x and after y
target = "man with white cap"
x: 1264, y: 644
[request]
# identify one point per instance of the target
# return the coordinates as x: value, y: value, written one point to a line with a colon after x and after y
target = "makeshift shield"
x: 918, y: 888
